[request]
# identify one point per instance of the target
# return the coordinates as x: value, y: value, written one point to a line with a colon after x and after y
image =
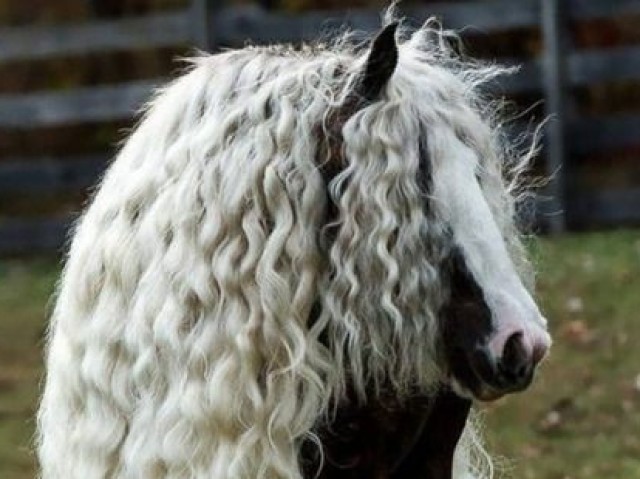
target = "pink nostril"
x: 540, y: 348
x: 533, y: 343
x: 505, y: 340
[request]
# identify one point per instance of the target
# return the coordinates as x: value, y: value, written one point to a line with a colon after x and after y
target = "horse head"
x: 490, y: 334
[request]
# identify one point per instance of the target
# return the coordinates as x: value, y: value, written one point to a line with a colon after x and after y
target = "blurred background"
x: 73, y: 73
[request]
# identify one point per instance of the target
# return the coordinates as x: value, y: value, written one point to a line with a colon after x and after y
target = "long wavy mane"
x: 219, y: 296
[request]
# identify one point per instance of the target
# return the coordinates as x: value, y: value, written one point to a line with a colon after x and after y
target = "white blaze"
x: 460, y: 202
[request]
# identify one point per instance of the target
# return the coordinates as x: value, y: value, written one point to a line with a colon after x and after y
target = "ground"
x: 580, y: 420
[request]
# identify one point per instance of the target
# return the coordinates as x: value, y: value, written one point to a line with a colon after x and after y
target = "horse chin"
x: 481, y: 392
x: 472, y: 379
x: 488, y: 395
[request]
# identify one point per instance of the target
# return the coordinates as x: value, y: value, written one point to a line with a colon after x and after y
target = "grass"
x: 25, y: 289
x: 580, y: 420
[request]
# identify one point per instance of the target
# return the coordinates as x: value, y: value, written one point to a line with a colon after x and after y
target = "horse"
x: 303, y: 262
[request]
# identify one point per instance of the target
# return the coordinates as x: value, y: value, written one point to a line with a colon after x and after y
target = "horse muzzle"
x: 504, y: 364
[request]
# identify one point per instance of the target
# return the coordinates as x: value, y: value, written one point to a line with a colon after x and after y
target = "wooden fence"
x: 208, y: 24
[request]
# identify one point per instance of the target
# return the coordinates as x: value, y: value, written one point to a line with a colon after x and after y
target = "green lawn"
x: 581, y: 419
x: 25, y: 289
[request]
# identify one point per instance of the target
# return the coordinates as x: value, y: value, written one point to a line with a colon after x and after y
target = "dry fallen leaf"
x: 554, y: 419
x: 551, y: 422
x: 530, y: 451
x: 578, y: 332
x: 627, y: 406
x: 588, y: 263
x: 574, y: 304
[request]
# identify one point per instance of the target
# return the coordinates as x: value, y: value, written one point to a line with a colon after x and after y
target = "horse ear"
x: 380, y: 64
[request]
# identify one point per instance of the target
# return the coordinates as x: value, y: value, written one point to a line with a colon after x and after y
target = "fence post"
x: 555, y: 84
x: 202, y: 12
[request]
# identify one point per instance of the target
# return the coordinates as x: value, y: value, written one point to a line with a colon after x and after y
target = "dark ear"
x: 378, y: 68
x: 380, y: 65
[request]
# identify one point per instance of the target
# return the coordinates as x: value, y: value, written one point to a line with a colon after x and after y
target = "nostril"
x: 515, y: 361
x: 513, y: 348
x: 506, y: 361
x: 540, y: 350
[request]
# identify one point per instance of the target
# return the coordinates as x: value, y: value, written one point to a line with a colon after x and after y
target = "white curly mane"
x: 205, y: 322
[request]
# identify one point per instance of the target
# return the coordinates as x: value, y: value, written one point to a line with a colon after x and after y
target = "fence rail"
x: 153, y: 31
x: 590, y: 9
x: 101, y: 103
x: 209, y: 24
x: 234, y: 25
x: 49, y: 175
x: 612, y: 132
x: 26, y: 236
